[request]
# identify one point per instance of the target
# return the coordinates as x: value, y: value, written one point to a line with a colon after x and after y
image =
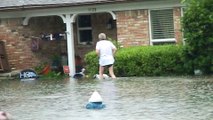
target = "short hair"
x: 102, y: 36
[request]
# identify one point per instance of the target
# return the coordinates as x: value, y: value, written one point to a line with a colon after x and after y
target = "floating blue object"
x: 95, y: 105
x: 28, y: 74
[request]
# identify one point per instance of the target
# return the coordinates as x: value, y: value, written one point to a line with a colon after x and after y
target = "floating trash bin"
x: 95, y: 101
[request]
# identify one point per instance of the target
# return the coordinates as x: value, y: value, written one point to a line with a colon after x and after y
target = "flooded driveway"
x: 144, y: 98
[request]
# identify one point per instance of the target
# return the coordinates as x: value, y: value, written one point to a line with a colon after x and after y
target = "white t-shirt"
x: 105, y: 48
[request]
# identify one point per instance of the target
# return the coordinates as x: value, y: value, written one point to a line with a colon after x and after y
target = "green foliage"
x: 91, y: 60
x: 53, y: 76
x: 197, y: 27
x: 149, y: 61
x: 50, y: 75
x: 115, y: 42
x: 40, y: 67
x: 143, y: 61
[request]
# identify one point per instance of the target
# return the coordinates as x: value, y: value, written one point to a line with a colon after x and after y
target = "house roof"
x: 31, y: 4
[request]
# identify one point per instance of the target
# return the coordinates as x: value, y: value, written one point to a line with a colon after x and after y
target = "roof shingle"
x: 32, y: 3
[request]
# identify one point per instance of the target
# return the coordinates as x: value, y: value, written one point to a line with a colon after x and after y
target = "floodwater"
x: 143, y: 98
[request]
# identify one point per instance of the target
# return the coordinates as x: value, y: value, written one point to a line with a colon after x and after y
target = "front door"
x: 4, y: 66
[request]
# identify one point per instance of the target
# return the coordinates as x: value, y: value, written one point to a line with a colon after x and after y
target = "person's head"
x: 5, y: 116
x: 102, y: 36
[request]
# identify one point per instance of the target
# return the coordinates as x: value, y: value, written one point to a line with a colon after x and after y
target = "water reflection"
x: 148, y: 98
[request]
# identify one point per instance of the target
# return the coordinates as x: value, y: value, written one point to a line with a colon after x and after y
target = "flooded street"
x: 144, y: 98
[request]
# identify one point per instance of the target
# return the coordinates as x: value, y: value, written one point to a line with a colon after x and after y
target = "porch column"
x: 68, y: 20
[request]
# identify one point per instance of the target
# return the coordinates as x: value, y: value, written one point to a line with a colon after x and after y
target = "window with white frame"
x: 162, y: 26
x: 84, y: 29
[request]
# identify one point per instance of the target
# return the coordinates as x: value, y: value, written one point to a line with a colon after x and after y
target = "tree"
x: 198, y: 32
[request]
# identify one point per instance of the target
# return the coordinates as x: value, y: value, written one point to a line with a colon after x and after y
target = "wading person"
x: 105, y: 49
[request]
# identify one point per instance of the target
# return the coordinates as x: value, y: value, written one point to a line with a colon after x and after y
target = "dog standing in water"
x: 97, y: 76
x: 5, y: 116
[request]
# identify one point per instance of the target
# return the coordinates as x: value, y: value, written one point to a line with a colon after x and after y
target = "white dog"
x: 80, y: 74
x: 5, y: 116
x: 105, y: 76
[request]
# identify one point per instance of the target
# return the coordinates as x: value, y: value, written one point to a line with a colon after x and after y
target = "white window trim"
x: 82, y: 28
x: 164, y: 40
x: 150, y: 31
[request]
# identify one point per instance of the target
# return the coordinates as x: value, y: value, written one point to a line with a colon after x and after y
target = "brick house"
x: 70, y: 27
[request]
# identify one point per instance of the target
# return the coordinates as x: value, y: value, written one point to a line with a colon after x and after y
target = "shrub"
x: 91, y: 60
x: 142, y: 61
x: 197, y: 27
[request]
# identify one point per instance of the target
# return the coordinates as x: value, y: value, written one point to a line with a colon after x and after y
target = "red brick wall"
x: 18, y: 39
x: 17, y: 45
x: 177, y: 25
x: 133, y: 27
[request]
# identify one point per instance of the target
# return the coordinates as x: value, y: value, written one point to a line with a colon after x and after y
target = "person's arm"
x: 97, y: 49
x: 97, y: 52
x: 114, y: 51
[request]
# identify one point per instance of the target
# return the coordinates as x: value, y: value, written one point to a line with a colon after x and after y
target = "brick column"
x: 177, y: 25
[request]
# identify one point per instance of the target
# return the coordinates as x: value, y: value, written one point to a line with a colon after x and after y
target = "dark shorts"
x: 107, y: 65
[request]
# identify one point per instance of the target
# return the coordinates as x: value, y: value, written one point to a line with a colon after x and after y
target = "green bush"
x: 142, y: 61
x: 92, y: 64
x: 197, y: 27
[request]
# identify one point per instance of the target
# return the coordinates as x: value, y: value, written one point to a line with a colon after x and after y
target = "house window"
x: 162, y: 26
x: 84, y: 29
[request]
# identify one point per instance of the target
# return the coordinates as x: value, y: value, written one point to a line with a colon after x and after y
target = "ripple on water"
x: 148, y: 98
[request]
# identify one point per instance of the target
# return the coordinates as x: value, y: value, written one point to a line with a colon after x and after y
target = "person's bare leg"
x: 101, y: 72
x: 111, y: 72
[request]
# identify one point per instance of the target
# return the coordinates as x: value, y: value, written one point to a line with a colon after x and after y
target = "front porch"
x: 57, y: 39
x: 78, y: 39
